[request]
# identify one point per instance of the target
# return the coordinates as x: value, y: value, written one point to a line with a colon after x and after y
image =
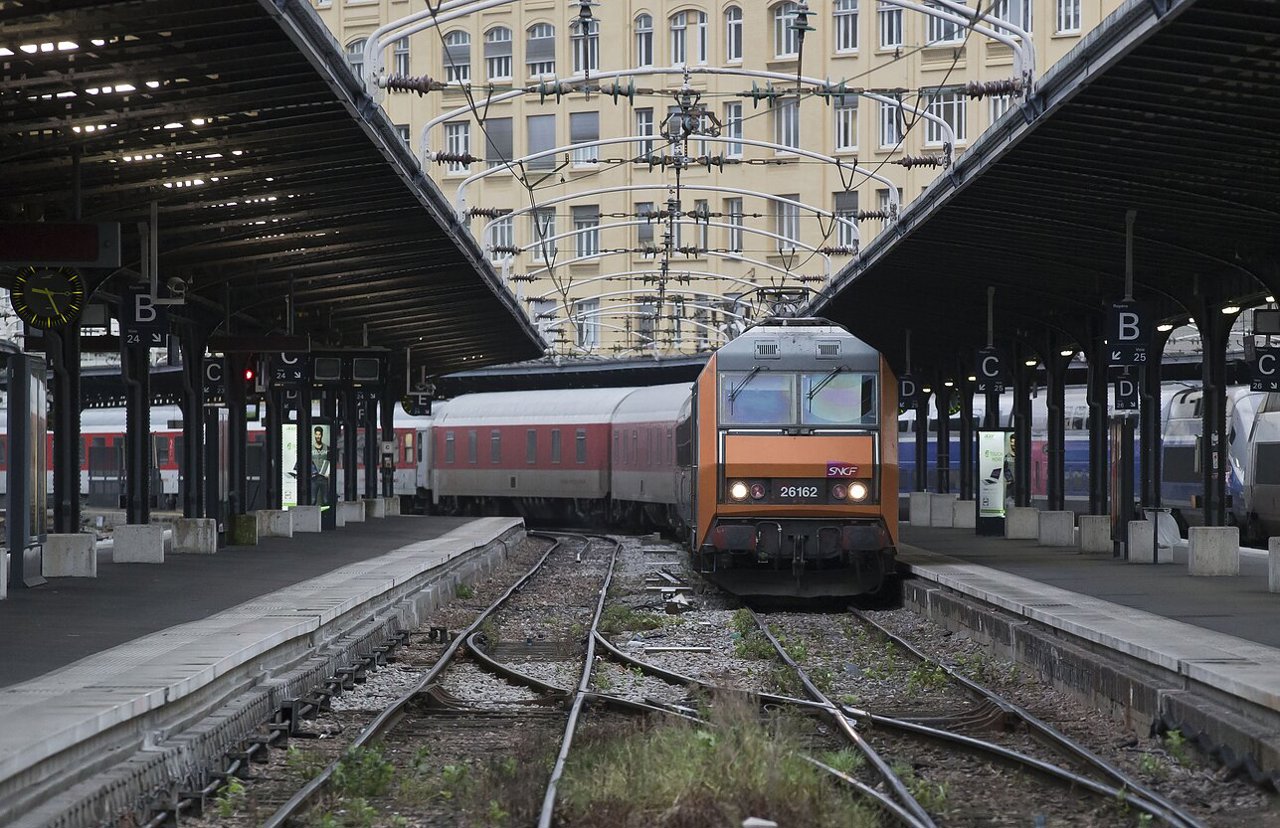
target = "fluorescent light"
x: 927, y: 390
x: 1066, y: 352
x: 1231, y: 309
x: 972, y: 378
x: 1165, y: 326
x: 1271, y: 300
x: 1031, y: 363
x: 949, y: 384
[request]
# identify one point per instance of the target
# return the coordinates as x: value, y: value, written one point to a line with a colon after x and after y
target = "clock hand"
x: 52, y: 301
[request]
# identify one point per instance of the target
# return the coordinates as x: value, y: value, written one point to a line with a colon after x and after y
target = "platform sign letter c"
x: 1267, y: 365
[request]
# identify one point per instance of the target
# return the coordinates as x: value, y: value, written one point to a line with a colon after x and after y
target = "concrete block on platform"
x: 275, y: 523
x: 306, y: 518
x: 941, y: 512
x: 339, y: 516
x: 195, y: 536
x: 964, y: 514
x: 918, y: 509
x: 1140, y: 542
x: 1273, y: 564
x: 242, y: 530
x: 374, y: 507
x: 351, y: 511
x: 1095, y: 533
x: 1214, y: 550
x: 69, y: 556
x: 1022, y: 523
x: 393, y: 506
x: 1057, y: 529
x: 137, y: 543
x: 4, y: 573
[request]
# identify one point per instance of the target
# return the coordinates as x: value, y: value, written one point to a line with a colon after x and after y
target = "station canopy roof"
x: 271, y: 167
x: 1169, y: 108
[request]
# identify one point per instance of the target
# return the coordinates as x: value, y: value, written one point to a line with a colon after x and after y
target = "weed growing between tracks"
x: 680, y: 775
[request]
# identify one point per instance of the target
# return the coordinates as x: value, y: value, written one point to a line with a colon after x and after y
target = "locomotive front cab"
x: 802, y: 433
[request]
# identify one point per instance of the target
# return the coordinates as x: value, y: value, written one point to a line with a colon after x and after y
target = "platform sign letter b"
x: 1128, y: 334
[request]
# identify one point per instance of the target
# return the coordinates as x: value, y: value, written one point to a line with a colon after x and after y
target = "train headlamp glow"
x: 858, y: 490
x: 738, y: 490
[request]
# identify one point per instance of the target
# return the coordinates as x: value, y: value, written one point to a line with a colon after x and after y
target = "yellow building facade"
x: 785, y: 154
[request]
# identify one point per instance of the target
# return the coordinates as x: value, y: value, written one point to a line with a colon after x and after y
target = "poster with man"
x: 320, y: 470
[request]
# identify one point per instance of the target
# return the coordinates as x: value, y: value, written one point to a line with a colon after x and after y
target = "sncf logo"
x: 836, y: 469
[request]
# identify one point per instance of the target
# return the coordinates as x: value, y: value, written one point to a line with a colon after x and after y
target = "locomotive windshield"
x: 779, y: 398
x: 843, y: 398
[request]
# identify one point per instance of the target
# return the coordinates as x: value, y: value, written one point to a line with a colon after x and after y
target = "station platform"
x: 1198, y: 653
x: 116, y: 666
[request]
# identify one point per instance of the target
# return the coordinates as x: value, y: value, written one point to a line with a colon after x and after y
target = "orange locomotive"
x: 787, y: 462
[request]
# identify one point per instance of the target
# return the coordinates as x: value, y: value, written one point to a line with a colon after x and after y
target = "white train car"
x: 643, y: 471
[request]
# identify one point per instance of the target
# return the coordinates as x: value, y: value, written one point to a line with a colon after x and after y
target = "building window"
x: 732, y: 34
x: 890, y: 125
x: 497, y: 54
x: 644, y: 126
x: 541, y: 130
x: 403, y: 131
x: 679, y: 39
x: 643, y: 28
x: 733, y: 216
x: 584, y: 127
x: 890, y: 22
x: 355, y: 56
x: 846, y: 210
x: 586, y: 48
x: 786, y: 122
x: 999, y: 105
x: 457, y: 141
x: 503, y: 234
x: 786, y: 42
x: 646, y: 324
x: 942, y: 31
x: 540, y: 50
x: 457, y: 57
x: 644, y: 230
x: 497, y: 141
x: 702, y: 219
x: 543, y: 226
x: 846, y: 109
x: 1068, y: 16
x: 733, y: 129
x: 587, y: 316
x: 401, y: 54
x: 846, y: 25
x: 1017, y: 12
x: 701, y: 45
x: 949, y: 105
x: 882, y: 200
x: 544, y: 312
x: 586, y: 228
x: 788, y: 221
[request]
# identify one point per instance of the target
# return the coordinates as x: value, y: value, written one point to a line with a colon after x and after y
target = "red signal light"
x: 249, y: 374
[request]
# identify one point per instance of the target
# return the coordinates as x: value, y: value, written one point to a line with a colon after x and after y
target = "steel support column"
x: 272, y: 448
x: 237, y: 437
x: 922, y: 443
x: 387, y: 414
x: 135, y: 370
x: 1149, y: 436
x: 350, y: 417
x: 371, y: 446
x: 1055, y: 449
x: 64, y: 358
x: 965, y: 389
x: 1215, y: 330
x: 1096, y: 396
x: 1023, y: 379
x: 191, y: 468
x: 942, y: 405
x: 306, y: 440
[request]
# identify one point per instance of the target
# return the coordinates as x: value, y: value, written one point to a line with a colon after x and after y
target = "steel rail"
x: 1166, y: 810
x: 579, y: 699
x: 392, y: 714
x: 919, y: 814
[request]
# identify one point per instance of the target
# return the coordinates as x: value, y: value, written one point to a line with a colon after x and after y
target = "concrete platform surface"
x: 67, y: 619
x: 1224, y: 632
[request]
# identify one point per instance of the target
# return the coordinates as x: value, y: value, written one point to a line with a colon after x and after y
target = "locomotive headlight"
x: 738, y: 490
x: 858, y: 490
x: 757, y: 491
x: 839, y: 492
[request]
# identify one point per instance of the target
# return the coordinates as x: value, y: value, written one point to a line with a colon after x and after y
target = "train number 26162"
x: 799, y: 492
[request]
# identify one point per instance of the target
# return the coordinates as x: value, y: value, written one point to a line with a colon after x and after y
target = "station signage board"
x: 908, y: 390
x: 1126, y: 394
x: 416, y: 404
x: 1264, y: 369
x: 989, y: 371
x: 1128, y: 334
x: 214, y: 376
x: 288, y: 368
x: 143, y: 323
